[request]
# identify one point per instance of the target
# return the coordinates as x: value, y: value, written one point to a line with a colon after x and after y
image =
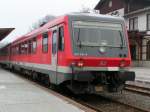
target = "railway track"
x: 138, y: 89
x: 89, y: 106
x: 109, y: 105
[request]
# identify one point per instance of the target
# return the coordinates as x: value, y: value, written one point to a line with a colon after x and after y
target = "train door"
x: 54, y: 53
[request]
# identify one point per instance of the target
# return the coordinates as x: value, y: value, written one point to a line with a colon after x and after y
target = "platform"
x: 20, y: 95
x: 142, y: 74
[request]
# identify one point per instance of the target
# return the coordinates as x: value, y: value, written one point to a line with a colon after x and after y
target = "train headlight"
x: 80, y: 64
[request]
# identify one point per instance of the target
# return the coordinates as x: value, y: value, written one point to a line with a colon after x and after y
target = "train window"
x: 13, y: 50
x: 22, y: 48
x: 61, y: 39
x: 45, y: 42
x: 19, y: 49
x: 54, y: 42
x: 25, y: 47
x: 33, y: 50
x: 29, y: 46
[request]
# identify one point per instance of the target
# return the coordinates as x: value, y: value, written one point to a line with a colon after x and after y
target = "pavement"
x: 18, y: 95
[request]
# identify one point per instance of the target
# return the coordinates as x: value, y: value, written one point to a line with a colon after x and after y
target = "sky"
x: 22, y: 14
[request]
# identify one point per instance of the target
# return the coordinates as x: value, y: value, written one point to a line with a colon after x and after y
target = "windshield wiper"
x: 121, y: 45
x: 80, y: 43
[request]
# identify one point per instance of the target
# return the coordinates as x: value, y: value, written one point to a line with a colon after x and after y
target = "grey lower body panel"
x: 55, y: 77
x: 64, y: 74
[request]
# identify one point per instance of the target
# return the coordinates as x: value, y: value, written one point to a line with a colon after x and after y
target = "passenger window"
x: 29, y: 46
x: 61, y: 39
x: 19, y: 49
x: 22, y: 48
x: 13, y: 50
x: 45, y: 42
x: 54, y: 42
x: 26, y: 47
x: 33, y: 45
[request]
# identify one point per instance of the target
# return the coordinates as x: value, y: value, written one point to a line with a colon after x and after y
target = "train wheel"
x: 47, y: 81
x: 44, y: 79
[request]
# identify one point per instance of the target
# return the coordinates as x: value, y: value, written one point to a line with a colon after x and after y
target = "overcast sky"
x: 21, y: 14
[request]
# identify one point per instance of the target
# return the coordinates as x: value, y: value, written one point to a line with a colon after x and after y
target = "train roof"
x: 70, y: 16
x: 39, y: 30
x: 92, y: 16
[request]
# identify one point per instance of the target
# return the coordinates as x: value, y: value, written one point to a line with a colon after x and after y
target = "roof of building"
x: 99, y: 4
x: 102, y: 1
x: 4, y: 32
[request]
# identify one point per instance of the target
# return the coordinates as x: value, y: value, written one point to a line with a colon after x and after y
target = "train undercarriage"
x: 81, y: 82
x: 100, y: 82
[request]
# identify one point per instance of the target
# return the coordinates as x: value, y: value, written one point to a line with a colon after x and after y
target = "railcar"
x: 87, y: 53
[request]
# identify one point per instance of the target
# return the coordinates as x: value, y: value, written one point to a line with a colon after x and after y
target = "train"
x: 87, y: 53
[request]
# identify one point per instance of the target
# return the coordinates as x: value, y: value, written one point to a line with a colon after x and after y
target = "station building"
x: 137, y: 16
x: 4, y: 32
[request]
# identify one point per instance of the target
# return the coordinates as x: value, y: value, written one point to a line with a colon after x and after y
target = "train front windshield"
x: 98, y: 34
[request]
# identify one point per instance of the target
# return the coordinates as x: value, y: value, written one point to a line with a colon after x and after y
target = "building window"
x: 110, y: 4
x: 148, y: 22
x: 45, y: 42
x: 148, y: 50
x: 133, y: 23
x: 61, y: 39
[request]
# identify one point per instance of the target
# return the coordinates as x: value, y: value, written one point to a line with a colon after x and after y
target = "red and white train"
x: 85, y: 52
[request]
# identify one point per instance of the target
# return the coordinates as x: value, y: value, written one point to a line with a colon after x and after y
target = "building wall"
x: 142, y: 26
x: 142, y: 21
x: 136, y: 4
x: 140, y: 64
x: 119, y: 12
